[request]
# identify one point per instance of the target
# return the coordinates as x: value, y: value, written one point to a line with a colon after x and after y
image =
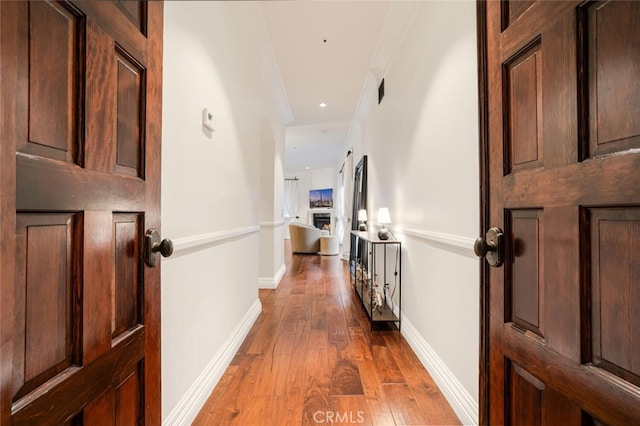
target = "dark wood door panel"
x: 127, y: 297
x: 81, y: 126
x: 615, y: 291
x: 36, y: 177
x: 97, y: 282
x: 130, y: 124
x: 596, y: 392
x: 512, y: 9
x: 563, y: 138
x: 563, y: 262
x: 526, y: 395
x: 533, y: 402
x: 129, y: 399
x: 65, y: 398
x: 121, y: 404
x: 136, y: 11
x: 577, y: 184
x: 117, y: 23
x: 524, y: 292
x: 64, y: 109
x: 523, y: 109
x: 53, y: 81
x: 531, y: 25
x: 46, y: 337
x: 115, y: 106
x: 100, y: 99
x: 612, y: 67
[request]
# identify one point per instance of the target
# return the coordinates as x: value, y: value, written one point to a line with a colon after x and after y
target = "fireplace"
x: 322, y: 220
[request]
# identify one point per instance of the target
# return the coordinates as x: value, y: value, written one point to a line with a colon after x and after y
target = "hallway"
x: 311, y: 358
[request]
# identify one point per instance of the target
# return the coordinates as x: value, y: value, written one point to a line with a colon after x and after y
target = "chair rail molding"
x: 275, y: 224
x: 193, y: 243
x: 453, y: 243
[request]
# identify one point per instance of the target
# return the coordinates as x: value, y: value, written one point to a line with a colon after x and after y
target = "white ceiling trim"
x: 394, y: 31
x: 266, y: 60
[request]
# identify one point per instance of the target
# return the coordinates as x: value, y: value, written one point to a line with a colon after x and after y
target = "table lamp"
x: 362, y: 218
x: 383, y: 219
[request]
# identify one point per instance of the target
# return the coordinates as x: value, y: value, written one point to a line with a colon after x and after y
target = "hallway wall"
x: 422, y: 147
x: 422, y: 143
x: 272, y: 224
x: 211, y: 204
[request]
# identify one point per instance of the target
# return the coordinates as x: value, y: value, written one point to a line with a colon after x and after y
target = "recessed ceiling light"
x: 307, y: 168
x: 323, y: 104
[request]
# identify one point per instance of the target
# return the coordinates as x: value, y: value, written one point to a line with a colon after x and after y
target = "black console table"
x: 375, y: 267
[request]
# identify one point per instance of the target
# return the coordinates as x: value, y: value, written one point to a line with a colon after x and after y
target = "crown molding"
x: 394, y: 31
x: 265, y: 59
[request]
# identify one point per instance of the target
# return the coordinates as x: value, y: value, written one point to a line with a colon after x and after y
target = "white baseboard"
x: 191, y: 403
x: 465, y: 407
x: 272, y: 283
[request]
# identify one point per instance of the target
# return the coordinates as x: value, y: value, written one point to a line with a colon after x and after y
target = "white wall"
x: 423, y: 165
x: 422, y: 147
x: 272, y: 224
x: 211, y: 204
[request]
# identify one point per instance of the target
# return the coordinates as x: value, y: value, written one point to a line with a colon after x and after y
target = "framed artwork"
x: 321, y: 198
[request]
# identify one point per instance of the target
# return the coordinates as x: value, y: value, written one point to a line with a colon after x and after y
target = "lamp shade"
x: 383, y: 215
x: 362, y: 215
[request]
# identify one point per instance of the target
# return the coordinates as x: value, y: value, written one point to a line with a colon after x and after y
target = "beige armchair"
x: 304, y: 238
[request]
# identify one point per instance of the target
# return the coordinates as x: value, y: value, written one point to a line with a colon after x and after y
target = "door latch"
x: 154, y: 247
x: 491, y: 247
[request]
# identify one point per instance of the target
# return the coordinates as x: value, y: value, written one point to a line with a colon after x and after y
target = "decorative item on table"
x: 362, y: 218
x: 376, y: 298
x: 361, y: 275
x: 383, y: 219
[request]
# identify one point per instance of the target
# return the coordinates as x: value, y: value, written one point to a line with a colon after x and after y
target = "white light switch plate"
x: 208, y: 120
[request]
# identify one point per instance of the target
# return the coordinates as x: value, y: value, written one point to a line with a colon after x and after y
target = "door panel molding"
x: 80, y: 331
x: 611, y: 96
x: 105, y: 371
x: 573, y: 330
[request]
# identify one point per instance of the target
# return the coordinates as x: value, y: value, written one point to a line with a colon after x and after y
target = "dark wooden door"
x: 564, y: 185
x: 80, y: 179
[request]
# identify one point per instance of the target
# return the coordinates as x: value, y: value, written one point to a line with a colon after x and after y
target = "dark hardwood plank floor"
x: 311, y: 359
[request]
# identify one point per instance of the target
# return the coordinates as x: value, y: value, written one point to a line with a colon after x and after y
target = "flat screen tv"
x: 321, y: 198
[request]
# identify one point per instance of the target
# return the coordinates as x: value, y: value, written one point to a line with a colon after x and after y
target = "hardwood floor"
x: 311, y: 359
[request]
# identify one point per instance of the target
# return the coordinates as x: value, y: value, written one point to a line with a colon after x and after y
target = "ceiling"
x: 324, y: 52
